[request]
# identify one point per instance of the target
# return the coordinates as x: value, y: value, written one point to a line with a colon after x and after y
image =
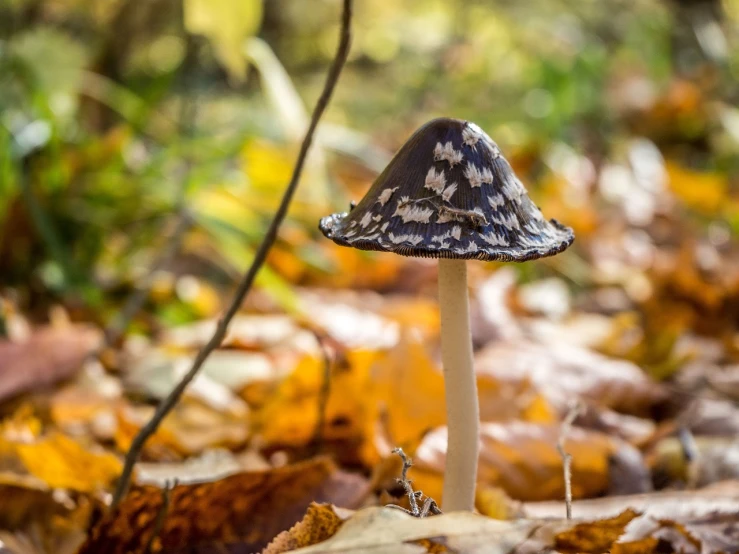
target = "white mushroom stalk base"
x: 463, y: 414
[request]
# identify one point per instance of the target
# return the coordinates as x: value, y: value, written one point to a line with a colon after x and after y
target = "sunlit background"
x: 620, y: 116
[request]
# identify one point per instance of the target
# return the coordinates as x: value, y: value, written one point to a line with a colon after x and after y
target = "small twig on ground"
x: 572, y: 414
x: 166, y: 405
x: 323, y: 395
x: 429, y: 504
x: 161, y: 514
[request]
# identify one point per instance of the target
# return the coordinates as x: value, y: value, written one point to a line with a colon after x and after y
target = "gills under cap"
x: 449, y: 193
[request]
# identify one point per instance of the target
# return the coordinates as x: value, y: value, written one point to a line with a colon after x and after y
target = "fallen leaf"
x: 644, y: 534
x: 320, y: 522
x: 209, y: 466
x: 271, y: 334
x: 87, y: 406
x: 377, y: 530
x: 351, y: 318
x: 188, y: 429
x: 563, y: 372
x: 290, y: 414
x: 718, y: 500
x: 48, y: 356
x: 410, y: 387
x: 704, y: 192
x: 635, y: 430
x: 61, y: 462
x: 522, y: 459
x: 594, y: 537
x: 246, y: 509
x: 43, y: 521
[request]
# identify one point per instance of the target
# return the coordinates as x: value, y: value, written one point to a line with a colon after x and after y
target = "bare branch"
x: 166, y: 405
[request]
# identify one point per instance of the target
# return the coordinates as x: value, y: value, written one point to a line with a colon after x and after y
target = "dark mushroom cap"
x: 449, y: 193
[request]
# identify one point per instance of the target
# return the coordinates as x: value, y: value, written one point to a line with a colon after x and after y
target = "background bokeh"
x: 117, y: 115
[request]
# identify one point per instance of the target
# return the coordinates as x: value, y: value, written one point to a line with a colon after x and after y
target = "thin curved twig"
x: 166, y: 405
x: 575, y: 410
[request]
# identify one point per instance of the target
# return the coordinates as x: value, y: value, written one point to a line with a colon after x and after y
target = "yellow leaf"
x: 226, y: 23
x: 268, y: 165
x: 411, y: 389
x: 290, y: 415
x: 494, y: 502
x: 64, y: 463
x: 704, y: 192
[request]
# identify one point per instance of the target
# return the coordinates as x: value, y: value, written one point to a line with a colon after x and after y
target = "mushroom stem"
x: 463, y: 414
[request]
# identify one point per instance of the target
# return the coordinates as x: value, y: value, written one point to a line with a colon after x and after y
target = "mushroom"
x: 449, y: 194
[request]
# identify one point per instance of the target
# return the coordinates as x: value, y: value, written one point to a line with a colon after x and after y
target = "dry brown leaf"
x: 523, y: 460
x: 718, y: 500
x: 48, y: 356
x: 563, y: 372
x: 209, y: 466
x: 189, y: 429
x: 320, y: 522
x: 350, y: 318
x: 247, y: 509
x: 36, y: 519
x: 634, y: 533
x: 252, y: 332
x: 593, y: 537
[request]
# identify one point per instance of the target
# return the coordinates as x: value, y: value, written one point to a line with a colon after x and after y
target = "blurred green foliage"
x: 117, y: 117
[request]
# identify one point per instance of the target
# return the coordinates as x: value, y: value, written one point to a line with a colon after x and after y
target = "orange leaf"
x: 522, y: 459
x: 61, y: 462
x: 594, y: 537
x: 319, y: 523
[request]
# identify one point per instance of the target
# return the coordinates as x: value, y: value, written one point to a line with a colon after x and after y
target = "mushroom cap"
x: 449, y: 193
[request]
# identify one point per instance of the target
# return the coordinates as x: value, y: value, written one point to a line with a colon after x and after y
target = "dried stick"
x: 429, y: 504
x: 323, y: 395
x: 574, y: 411
x: 166, y: 405
x: 161, y: 514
